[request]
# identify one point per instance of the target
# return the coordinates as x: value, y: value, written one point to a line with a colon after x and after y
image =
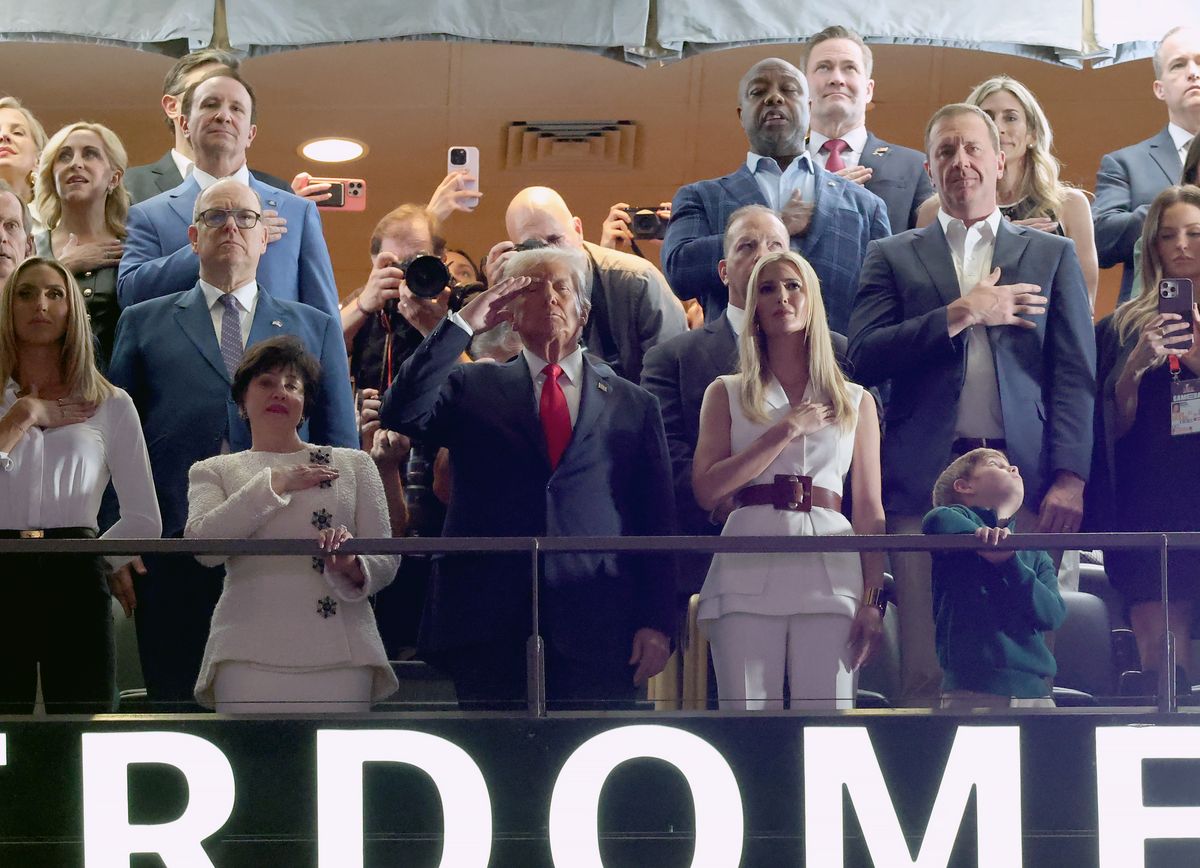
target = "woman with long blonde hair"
x: 1147, y: 465
x: 65, y: 431
x: 1030, y: 191
x: 776, y: 441
x: 81, y: 198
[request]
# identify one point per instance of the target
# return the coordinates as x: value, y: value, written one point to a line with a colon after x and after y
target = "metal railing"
x: 1163, y: 543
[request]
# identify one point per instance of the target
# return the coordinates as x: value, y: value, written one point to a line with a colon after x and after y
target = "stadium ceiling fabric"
x: 636, y: 31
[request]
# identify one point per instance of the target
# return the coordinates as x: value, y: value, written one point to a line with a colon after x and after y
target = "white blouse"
x: 56, y: 477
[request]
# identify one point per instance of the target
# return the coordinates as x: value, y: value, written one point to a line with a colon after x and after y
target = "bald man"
x: 633, y: 309
x: 830, y: 220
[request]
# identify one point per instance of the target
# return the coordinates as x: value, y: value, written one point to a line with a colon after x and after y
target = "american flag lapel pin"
x: 880, y: 151
x: 602, y: 386
x: 277, y: 323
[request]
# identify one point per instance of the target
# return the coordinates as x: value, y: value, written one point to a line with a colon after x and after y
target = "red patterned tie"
x: 556, y: 418
x: 834, y: 147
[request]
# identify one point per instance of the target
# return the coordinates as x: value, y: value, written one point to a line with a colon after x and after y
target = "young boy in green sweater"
x: 990, y: 608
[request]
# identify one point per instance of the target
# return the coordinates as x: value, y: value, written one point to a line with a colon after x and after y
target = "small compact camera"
x: 646, y: 224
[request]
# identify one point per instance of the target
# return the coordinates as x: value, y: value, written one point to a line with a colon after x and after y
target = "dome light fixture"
x: 333, y: 150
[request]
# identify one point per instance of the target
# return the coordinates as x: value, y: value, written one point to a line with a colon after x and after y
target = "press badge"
x: 1185, y: 407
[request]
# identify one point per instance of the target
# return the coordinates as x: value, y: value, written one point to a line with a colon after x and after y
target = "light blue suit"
x: 159, y: 260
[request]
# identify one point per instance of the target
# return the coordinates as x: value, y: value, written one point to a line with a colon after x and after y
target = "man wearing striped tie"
x: 176, y: 356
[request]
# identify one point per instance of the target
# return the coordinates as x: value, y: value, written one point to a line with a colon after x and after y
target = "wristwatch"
x: 876, y: 597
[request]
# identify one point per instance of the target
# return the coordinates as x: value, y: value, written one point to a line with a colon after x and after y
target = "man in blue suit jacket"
x: 169, y: 358
x: 985, y: 332
x: 158, y: 259
x: 838, y: 66
x: 539, y: 452
x: 830, y: 220
x: 1130, y: 178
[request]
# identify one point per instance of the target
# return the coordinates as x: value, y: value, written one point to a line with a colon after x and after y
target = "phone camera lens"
x: 458, y: 156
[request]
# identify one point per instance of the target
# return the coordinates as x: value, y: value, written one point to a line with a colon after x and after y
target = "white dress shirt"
x: 777, y: 186
x: 206, y: 180
x: 972, y: 249
x: 247, y: 300
x: 570, y: 380
x: 1182, y: 139
x: 55, y: 477
x: 856, y: 141
x: 737, y: 320
x: 182, y: 163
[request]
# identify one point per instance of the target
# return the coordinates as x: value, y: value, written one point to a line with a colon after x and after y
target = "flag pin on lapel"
x: 602, y: 386
x: 880, y: 151
x: 272, y: 203
x: 277, y: 323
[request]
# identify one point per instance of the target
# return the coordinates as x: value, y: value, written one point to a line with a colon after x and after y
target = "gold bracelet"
x: 875, y: 597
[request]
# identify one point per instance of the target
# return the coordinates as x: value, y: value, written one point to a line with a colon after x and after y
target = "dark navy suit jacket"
x: 1126, y: 184
x: 158, y: 257
x: 167, y: 358
x: 1047, y: 375
x: 845, y: 219
x: 613, y: 480
x: 899, y: 179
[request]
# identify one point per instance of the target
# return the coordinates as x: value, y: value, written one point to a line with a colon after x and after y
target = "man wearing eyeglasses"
x: 176, y: 357
x: 218, y: 120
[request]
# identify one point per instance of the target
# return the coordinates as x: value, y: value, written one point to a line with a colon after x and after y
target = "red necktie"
x: 556, y: 418
x: 834, y: 162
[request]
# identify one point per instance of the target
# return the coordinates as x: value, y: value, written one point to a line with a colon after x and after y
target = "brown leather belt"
x: 963, y: 445
x: 792, y: 493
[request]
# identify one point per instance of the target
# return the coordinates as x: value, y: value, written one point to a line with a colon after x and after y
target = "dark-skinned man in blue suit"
x: 985, y: 332
x: 171, y: 356
x: 830, y: 220
x: 552, y: 443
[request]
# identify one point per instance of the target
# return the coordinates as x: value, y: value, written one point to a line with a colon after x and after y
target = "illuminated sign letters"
x: 987, y: 759
x: 109, y: 838
x: 1125, y: 821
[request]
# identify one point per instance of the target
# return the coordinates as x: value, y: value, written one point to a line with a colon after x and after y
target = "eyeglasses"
x: 215, y: 218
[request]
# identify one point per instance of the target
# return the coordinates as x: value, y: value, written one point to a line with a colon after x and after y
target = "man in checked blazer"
x: 830, y: 220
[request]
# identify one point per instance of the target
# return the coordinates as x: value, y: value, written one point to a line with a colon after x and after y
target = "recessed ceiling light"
x: 333, y: 150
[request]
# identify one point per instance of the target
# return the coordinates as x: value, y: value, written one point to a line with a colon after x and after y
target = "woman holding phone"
x: 1148, y: 471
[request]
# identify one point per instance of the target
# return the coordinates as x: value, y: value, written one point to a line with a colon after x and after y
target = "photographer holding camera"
x: 631, y: 224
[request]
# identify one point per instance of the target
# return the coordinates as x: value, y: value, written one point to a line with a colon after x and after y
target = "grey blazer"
x: 1046, y: 375
x: 1126, y: 184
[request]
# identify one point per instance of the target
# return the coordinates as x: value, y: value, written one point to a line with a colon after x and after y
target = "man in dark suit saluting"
x: 838, y: 67
x: 830, y: 220
x: 551, y: 443
x: 169, y: 171
x: 985, y: 331
x: 176, y: 357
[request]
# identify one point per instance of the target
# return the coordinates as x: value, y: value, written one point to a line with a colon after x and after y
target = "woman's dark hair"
x: 1191, y: 164
x: 285, y: 352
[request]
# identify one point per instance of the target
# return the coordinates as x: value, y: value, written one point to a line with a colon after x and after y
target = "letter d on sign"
x: 108, y: 836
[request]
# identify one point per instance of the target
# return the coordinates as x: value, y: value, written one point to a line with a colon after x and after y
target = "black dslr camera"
x: 426, y: 276
x: 645, y: 223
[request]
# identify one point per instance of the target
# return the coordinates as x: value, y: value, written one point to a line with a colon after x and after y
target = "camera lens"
x: 458, y: 156
x: 426, y: 276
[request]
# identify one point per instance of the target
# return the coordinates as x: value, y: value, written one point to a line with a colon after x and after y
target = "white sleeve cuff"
x: 454, y: 317
x: 6, y: 463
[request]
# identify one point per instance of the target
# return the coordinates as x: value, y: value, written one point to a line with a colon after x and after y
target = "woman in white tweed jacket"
x: 291, y: 634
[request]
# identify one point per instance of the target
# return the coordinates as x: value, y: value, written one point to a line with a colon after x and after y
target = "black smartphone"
x: 1176, y: 295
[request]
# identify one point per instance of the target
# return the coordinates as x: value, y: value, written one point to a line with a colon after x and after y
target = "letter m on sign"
x: 987, y: 759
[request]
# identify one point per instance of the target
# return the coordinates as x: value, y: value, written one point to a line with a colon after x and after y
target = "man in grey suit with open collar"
x: 838, y: 66
x: 985, y: 332
x: 170, y: 356
x: 1130, y: 178
x: 830, y: 220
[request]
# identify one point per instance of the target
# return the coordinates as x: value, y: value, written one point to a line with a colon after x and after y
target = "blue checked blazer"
x: 846, y: 218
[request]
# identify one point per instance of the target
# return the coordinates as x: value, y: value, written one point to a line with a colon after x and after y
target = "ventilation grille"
x: 598, y: 145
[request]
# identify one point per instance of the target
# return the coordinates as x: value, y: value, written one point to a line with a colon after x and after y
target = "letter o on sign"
x: 574, y: 806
